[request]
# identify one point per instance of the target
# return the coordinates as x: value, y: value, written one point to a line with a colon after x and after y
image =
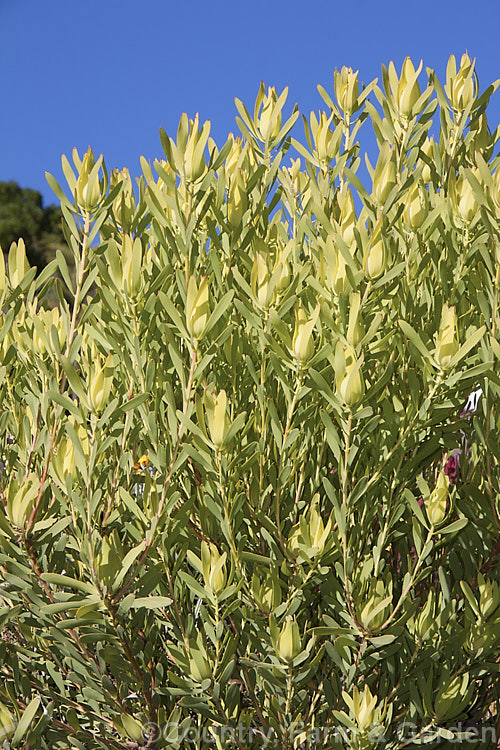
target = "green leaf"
x: 472, y: 341
x: 56, y: 188
x: 417, y: 510
x: 415, y: 339
x: 193, y: 584
x: 331, y: 435
x: 127, y: 562
x: 219, y: 310
x: 68, y: 605
x: 57, y: 579
x: 455, y: 526
x: 152, y: 602
x: 65, y: 402
x: 135, y: 402
x: 382, y: 640
x: 25, y: 721
x: 470, y: 598
x: 74, y: 380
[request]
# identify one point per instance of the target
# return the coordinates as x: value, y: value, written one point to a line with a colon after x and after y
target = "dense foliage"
x: 240, y: 492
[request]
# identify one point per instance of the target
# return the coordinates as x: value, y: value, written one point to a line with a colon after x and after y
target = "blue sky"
x: 109, y: 73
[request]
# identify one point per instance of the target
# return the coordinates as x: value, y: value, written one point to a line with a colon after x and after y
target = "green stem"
x: 232, y: 543
x: 217, y: 644
x: 79, y: 283
x: 350, y: 604
x: 289, y: 688
x: 138, y: 671
x: 412, y: 739
x: 374, y: 477
x: 291, y: 410
x: 410, y: 583
x: 262, y: 409
x: 76, y: 303
x: 156, y: 519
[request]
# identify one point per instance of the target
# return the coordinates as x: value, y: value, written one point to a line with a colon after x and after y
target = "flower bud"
x: 237, y: 201
x: 363, y: 709
x: 43, y: 321
x: 375, y: 595
x: 100, y: 382
x: 260, y: 278
x: 365, y: 714
x: 199, y: 666
x: 355, y: 330
x: 460, y: 86
x: 348, y: 376
x: 317, y: 532
x: 464, y: 199
x: 447, y: 344
x: 63, y: 459
x: 193, y: 163
x: 425, y: 620
x: 335, y: 268
x: 18, y: 263
x: 217, y: 418
x: 415, y: 210
x: 234, y: 157
x: 197, y: 307
x: 453, y: 696
x: 348, y: 218
x: 281, y: 271
x: 131, y: 265
x: 124, y: 204
x: 384, y: 178
x: 341, y: 283
x: 408, y: 90
x: 484, y: 636
x: 109, y: 559
x: 346, y: 90
x: 325, y: 140
x: 213, y: 566
x: 266, y: 592
x: 310, y: 535
x: 428, y: 150
x: 375, y: 261
x: 269, y: 122
x: 303, y: 342
x: 88, y: 186
x: 21, y: 499
x: 289, y: 641
x: 435, y: 504
x: 26, y: 427
x: 295, y: 180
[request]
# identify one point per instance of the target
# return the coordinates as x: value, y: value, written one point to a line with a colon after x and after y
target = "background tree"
x: 22, y: 214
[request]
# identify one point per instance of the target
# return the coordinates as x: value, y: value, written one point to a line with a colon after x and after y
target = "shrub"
x: 240, y: 493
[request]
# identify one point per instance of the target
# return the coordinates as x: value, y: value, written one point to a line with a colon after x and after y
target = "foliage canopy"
x: 227, y: 487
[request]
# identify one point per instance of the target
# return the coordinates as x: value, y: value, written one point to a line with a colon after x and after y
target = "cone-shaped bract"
x: 447, y: 344
x: 197, y: 307
x: 289, y: 641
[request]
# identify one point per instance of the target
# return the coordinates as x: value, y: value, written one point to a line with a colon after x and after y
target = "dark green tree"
x: 22, y: 214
